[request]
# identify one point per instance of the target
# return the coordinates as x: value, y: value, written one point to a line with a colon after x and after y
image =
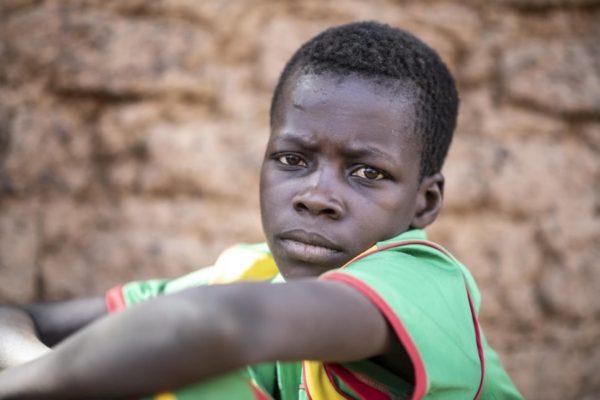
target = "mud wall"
x: 131, y: 134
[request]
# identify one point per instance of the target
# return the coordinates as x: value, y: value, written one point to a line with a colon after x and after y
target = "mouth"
x: 309, y: 247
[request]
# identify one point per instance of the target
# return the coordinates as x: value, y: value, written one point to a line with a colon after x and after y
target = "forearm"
x: 18, y: 340
x: 179, y: 339
x: 149, y: 348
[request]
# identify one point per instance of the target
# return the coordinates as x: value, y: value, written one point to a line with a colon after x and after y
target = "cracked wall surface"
x: 131, y: 135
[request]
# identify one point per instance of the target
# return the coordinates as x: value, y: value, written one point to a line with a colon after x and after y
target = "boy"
x: 361, y: 121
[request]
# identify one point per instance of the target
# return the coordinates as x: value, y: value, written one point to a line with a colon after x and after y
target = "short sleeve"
x: 131, y: 293
x: 242, y: 262
x: 425, y: 301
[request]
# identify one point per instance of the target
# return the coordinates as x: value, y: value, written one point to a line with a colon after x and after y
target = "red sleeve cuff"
x: 114, y: 299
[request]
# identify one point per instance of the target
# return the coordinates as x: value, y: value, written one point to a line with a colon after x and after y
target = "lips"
x: 309, y: 247
x: 311, y: 239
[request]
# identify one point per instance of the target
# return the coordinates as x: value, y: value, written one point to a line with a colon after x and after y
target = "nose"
x: 319, y: 198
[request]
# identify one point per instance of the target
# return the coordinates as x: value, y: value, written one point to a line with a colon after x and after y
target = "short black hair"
x: 385, y: 54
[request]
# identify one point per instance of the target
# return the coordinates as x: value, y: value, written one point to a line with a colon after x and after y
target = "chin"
x: 302, y: 271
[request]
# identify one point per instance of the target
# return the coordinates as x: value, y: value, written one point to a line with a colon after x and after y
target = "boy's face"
x: 340, y: 173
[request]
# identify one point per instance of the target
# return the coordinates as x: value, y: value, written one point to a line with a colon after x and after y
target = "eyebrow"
x: 300, y: 141
x: 365, y: 151
x: 350, y: 152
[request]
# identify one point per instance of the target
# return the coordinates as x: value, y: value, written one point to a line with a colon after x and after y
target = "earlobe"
x: 429, y: 201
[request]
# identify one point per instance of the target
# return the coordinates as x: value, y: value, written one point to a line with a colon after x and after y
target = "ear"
x: 429, y: 202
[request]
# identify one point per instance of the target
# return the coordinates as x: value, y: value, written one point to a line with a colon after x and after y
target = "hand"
x: 18, y: 340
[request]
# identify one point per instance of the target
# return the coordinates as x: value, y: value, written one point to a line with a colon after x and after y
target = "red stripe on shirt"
x: 363, y: 389
x: 479, y: 345
x: 329, y: 371
x: 114, y: 299
x: 257, y: 392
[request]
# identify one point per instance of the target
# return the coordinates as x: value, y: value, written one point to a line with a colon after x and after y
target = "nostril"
x: 316, y: 208
x: 300, y: 206
x: 329, y: 211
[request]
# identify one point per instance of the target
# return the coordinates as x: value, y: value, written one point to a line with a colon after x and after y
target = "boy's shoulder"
x: 410, y: 250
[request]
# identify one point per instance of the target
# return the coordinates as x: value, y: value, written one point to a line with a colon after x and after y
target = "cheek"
x: 396, y: 201
x: 273, y: 191
x: 274, y: 198
x: 390, y: 214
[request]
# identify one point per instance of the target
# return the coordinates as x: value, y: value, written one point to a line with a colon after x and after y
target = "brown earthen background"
x: 131, y: 135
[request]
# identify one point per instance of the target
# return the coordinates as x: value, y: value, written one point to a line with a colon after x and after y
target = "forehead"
x: 348, y: 108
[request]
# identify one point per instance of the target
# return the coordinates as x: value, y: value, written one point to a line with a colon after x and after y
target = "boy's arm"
x: 179, y: 339
x: 27, y: 332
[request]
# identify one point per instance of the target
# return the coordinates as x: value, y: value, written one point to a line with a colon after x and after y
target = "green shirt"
x: 428, y: 297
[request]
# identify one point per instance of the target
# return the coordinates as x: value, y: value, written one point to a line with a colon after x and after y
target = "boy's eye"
x: 291, y: 159
x: 369, y: 173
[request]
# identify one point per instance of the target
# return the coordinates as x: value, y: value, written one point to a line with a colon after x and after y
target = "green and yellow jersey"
x: 429, y: 298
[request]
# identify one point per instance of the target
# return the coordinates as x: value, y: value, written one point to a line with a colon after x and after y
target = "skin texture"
x: 340, y: 173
